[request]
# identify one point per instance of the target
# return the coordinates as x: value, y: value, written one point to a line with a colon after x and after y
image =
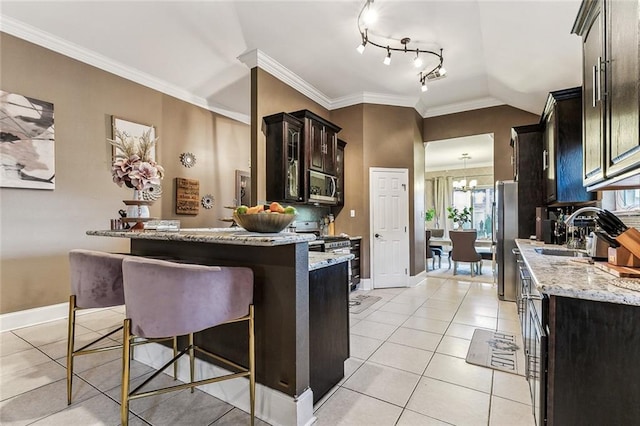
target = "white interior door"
x: 389, y: 233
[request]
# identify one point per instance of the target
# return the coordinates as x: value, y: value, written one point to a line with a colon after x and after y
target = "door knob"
x: 377, y: 235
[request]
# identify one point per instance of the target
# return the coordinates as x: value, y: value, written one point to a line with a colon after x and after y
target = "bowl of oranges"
x: 265, y: 219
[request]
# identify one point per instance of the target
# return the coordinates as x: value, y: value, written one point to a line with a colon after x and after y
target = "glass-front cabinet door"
x: 293, y: 188
x: 284, y: 158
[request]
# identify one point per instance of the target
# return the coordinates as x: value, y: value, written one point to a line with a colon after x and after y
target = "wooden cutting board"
x: 618, y: 271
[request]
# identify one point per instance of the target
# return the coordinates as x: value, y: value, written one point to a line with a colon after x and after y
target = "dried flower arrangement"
x: 133, y: 165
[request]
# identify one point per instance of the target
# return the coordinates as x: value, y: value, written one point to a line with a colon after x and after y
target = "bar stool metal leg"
x: 252, y: 365
x: 126, y: 366
x: 192, y: 360
x: 70, y: 345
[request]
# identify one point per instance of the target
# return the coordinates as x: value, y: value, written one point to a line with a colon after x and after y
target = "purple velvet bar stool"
x: 166, y: 299
x: 96, y: 282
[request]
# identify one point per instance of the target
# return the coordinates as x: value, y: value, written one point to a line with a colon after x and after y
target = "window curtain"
x: 443, y: 196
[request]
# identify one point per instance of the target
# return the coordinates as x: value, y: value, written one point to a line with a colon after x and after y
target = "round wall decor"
x: 188, y: 159
x: 207, y: 201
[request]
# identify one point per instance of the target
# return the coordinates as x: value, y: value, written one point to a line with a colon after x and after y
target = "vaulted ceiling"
x: 495, y: 52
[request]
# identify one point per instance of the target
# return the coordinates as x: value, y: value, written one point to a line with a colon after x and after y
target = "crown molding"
x: 487, y: 102
x: 250, y: 58
x: 373, y: 98
x: 257, y: 58
x: 41, y: 38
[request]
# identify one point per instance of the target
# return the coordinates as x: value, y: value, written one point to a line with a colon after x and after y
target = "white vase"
x: 137, y: 211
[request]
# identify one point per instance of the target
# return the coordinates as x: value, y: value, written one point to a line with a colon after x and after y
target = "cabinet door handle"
x: 599, y: 79
x: 594, y: 73
x: 545, y: 159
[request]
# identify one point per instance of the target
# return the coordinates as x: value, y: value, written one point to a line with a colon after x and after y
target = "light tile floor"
x: 407, y: 367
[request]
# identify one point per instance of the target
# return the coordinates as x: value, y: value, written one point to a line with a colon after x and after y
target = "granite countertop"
x: 573, y: 277
x: 235, y: 236
x: 318, y: 260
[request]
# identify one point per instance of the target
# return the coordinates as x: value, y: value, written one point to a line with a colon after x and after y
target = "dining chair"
x: 432, y: 252
x: 463, y: 250
x: 165, y: 299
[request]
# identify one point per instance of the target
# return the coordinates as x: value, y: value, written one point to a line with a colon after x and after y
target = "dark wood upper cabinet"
x: 284, y: 158
x: 610, y: 31
x: 340, y: 172
x: 321, y: 142
x: 526, y: 142
x: 562, y: 154
x: 296, y: 143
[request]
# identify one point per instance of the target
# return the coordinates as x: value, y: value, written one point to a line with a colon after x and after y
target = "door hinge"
x: 405, y: 271
x: 405, y: 229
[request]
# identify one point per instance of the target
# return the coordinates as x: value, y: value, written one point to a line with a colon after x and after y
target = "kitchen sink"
x: 560, y: 252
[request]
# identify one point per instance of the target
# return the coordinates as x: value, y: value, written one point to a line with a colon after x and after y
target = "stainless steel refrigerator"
x: 505, y: 232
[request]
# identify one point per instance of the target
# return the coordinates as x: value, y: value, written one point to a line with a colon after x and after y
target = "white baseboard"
x: 417, y: 279
x: 366, y: 284
x: 35, y: 316
x: 272, y: 406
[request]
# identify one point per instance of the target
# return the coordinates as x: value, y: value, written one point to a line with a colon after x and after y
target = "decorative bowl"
x: 264, y: 222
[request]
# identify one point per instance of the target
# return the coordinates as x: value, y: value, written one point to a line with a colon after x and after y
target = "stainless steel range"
x: 326, y: 243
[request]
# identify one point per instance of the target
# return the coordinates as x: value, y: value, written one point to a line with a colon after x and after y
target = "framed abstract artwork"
x: 27, y: 142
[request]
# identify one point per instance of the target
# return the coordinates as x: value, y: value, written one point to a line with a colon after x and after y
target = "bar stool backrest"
x: 96, y: 278
x: 173, y: 299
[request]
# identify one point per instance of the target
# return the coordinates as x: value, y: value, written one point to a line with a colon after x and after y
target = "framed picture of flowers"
x: 123, y: 129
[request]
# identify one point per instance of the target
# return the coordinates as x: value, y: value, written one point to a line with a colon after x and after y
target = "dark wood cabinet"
x: 284, y: 158
x: 321, y: 142
x: 562, y: 153
x: 610, y: 31
x: 340, y: 172
x: 328, y: 327
x: 354, y: 278
x: 592, y: 105
x: 296, y: 143
x: 527, y: 145
x: 592, y: 362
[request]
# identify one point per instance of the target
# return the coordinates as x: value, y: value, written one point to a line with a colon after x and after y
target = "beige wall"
x: 38, y: 227
x: 271, y: 96
x: 381, y: 136
x: 497, y: 120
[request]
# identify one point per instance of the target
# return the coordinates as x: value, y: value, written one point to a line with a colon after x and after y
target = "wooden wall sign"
x: 187, y: 196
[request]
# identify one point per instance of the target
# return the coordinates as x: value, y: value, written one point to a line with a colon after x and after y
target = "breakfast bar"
x: 301, y: 310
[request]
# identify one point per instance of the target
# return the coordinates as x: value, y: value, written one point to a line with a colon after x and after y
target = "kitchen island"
x: 582, y: 338
x: 285, y: 277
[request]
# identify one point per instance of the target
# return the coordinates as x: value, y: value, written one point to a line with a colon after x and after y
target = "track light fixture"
x: 367, y: 16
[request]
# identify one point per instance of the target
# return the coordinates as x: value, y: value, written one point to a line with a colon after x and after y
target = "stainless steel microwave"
x: 322, y: 188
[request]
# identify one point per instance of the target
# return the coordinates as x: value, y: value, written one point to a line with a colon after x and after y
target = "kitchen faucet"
x: 571, y: 241
x: 569, y: 221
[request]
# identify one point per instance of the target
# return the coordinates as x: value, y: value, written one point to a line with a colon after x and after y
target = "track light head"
x: 417, y: 62
x: 387, y: 59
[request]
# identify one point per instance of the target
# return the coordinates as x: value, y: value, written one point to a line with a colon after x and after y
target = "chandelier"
x: 367, y: 16
x: 461, y: 185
